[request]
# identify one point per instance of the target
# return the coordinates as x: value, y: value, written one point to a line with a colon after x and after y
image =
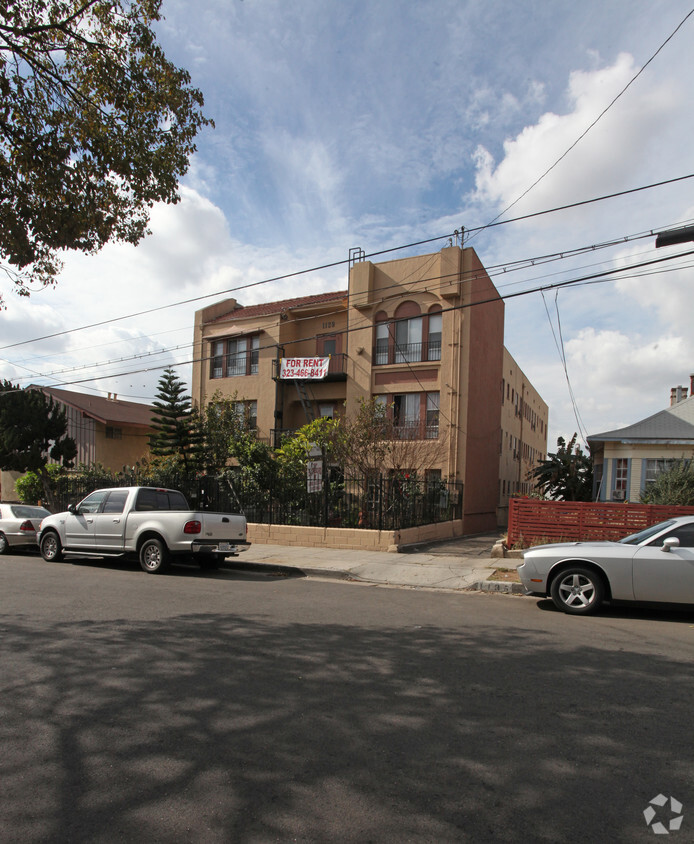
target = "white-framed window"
x: 655, y: 466
x: 247, y: 412
x: 621, y: 476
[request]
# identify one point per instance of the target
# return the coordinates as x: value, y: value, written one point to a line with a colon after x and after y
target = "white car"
x: 656, y: 564
x: 19, y: 524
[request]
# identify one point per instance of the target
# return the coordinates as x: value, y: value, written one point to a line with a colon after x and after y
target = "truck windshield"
x: 160, y: 499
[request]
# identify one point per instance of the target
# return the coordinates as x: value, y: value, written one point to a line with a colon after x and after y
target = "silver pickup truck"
x: 155, y: 524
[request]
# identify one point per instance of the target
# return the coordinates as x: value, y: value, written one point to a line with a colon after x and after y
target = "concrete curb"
x: 341, y: 574
x: 499, y: 586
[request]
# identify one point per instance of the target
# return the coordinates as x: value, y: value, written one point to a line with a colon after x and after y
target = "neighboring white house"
x: 627, y: 460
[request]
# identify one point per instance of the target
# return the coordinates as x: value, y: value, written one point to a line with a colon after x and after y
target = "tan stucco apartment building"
x: 424, y: 335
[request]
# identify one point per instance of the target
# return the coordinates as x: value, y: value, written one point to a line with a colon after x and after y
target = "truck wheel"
x: 154, y: 556
x: 51, y: 549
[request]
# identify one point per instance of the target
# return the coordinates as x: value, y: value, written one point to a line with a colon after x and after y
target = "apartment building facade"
x: 423, y: 335
x: 523, y: 444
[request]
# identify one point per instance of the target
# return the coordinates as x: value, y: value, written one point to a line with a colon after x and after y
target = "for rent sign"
x: 311, y: 369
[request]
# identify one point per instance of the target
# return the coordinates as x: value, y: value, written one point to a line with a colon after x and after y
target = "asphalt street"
x: 247, y: 707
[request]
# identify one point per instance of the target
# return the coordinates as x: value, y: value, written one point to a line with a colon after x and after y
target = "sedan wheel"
x: 578, y: 590
x: 4, y: 544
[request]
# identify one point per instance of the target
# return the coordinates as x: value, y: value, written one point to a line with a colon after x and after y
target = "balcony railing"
x: 406, y: 431
x: 416, y: 431
x: 408, y: 353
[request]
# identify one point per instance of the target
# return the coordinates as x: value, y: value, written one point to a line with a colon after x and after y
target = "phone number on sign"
x: 288, y: 372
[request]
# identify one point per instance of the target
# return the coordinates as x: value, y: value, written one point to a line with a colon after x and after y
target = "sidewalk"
x: 460, y: 564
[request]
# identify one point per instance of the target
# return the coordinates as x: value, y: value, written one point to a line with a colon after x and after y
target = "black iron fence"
x: 380, y: 502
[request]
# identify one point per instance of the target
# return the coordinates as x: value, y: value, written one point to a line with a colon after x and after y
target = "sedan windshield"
x: 647, y: 533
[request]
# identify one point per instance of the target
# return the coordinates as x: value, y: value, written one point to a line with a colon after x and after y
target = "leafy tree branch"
x: 96, y: 125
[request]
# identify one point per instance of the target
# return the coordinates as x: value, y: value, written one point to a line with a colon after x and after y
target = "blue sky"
x: 377, y: 124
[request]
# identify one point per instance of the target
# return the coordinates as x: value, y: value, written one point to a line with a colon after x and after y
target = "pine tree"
x: 173, y: 421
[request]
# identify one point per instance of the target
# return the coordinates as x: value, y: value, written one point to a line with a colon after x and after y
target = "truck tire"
x: 51, y: 549
x: 154, y: 556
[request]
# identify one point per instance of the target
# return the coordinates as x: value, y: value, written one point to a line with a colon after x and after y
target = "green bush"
x: 674, y: 486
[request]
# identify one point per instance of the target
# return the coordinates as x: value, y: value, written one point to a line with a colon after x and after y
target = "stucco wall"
x: 349, y: 539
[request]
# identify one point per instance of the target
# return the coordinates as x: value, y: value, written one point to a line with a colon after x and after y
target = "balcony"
x: 404, y: 431
x: 409, y: 353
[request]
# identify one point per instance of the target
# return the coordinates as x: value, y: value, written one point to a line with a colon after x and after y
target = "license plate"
x: 226, y: 546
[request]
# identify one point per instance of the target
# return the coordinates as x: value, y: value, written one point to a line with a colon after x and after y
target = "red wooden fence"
x: 531, y: 520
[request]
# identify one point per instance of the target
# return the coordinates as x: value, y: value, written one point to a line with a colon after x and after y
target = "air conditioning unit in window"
x: 618, y: 494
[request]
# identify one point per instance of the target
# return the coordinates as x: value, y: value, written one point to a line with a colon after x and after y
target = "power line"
x: 333, y: 264
x: 597, y: 119
x: 593, y: 278
x: 491, y: 271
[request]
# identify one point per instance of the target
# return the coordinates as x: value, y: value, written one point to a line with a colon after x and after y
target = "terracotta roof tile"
x: 268, y: 308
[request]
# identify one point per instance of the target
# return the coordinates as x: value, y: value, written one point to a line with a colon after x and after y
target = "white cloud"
x: 610, y: 153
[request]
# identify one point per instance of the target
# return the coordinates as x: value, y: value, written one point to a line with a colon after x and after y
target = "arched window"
x: 408, y: 336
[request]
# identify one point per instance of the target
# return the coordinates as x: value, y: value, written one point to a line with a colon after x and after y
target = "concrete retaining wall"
x: 351, y: 539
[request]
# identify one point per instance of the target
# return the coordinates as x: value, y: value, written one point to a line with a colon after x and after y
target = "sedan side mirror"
x: 670, y: 543
x: 72, y: 508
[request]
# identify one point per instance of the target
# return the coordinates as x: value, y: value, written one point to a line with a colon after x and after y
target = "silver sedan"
x: 19, y: 524
x: 656, y: 565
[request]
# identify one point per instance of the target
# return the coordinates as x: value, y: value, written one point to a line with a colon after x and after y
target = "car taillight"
x: 27, y: 526
x: 192, y: 527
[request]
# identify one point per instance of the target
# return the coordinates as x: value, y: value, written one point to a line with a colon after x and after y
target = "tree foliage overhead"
x: 96, y: 125
x: 33, y: 428
x: 674, y: 486
x: 567, y: 474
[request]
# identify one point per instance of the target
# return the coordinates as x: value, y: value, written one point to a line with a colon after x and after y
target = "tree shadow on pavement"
x: 223, y: 728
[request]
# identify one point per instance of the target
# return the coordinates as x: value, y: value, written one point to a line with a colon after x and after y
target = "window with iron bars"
x: 237, y: 356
